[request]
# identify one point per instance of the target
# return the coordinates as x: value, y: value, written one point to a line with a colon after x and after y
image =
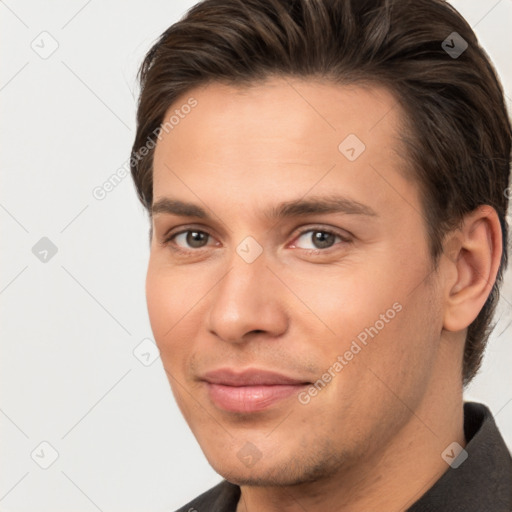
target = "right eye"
x: 186, y: 241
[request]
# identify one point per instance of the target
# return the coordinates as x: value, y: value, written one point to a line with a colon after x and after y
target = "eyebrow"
x: 293, y: 208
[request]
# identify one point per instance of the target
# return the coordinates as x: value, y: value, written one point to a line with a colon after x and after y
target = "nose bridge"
x: 248, y: 296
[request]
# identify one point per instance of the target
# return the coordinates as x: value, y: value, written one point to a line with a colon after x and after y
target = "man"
x: 327, y: 187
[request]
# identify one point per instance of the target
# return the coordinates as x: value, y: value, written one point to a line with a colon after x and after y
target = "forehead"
x: 279, y: 139
x: 289, y: 108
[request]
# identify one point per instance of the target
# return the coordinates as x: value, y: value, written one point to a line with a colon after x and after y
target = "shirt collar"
x: 484, y: 480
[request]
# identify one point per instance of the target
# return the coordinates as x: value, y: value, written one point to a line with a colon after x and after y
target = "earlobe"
x: 474, y: 257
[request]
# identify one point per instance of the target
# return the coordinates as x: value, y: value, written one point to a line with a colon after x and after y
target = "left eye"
x: 320, y: 238
x: 192, y: 237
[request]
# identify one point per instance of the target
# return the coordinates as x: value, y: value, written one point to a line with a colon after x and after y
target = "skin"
x: 373, y: 437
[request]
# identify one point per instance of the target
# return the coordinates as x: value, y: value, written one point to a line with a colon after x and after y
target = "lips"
x: 251, y: 390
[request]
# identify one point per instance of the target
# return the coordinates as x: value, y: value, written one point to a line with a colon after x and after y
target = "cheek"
x: 375, y: 317
x: 171, y: 291
x: 173, y: 297
x: 349, y: 299
x: 159, y: 302
x: 166, y: 300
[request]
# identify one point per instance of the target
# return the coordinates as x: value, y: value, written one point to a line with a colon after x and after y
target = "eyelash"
x: 168, y: 240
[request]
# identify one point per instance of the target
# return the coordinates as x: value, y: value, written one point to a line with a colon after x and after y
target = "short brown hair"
x: 459, y: 144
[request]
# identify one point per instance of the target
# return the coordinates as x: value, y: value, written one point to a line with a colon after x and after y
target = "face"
x: 292, y: 300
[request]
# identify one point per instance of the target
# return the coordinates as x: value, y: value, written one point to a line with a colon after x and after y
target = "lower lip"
x: 249, y: 398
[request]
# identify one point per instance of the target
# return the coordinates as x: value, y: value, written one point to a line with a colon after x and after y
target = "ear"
x: 474, y: 255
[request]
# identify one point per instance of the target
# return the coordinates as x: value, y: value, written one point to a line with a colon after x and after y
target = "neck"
x: 390, y: 480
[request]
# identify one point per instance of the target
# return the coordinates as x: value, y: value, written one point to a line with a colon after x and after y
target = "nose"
x: 248, y: 301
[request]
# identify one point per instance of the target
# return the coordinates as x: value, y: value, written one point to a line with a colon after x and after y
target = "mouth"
x: 251, y: 390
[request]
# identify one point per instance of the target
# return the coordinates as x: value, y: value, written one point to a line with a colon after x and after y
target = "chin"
x: 276, y: 474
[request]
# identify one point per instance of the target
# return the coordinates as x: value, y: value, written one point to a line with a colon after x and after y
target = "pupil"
x: 194, y: 237
x: 321, y: 236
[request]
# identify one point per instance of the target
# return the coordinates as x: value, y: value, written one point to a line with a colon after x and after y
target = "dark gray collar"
x: 483, y: 482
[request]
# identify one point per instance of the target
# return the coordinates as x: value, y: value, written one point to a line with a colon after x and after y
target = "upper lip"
x: 249, y: 377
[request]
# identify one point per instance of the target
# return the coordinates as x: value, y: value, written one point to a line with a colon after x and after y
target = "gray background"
x: 70, y: 324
